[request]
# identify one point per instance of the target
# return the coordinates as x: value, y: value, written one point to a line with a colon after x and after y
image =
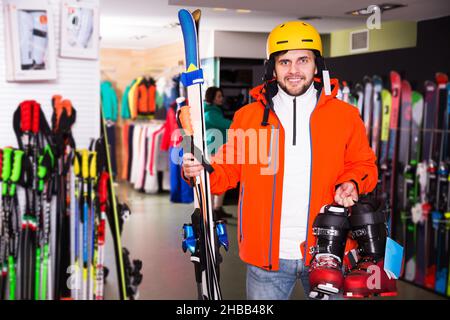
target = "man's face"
x: 295, y: 71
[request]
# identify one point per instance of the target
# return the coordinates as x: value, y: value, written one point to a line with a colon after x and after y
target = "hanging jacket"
x: 131, y: 101
x: 125, y: 111
x: 145, y: 97
x: 109, y: 100
x: 340, y: 152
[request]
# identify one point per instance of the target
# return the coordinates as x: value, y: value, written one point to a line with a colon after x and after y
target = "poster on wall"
x: 29, y: 37
x: 80, y: 29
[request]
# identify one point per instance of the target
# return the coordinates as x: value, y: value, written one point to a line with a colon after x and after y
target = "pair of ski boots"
x: 365, y: 277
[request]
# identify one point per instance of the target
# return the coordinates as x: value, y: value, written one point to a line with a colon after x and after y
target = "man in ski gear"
x: 297, y: 127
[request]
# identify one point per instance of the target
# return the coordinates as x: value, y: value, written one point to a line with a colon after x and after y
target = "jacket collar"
x: 258, y: 93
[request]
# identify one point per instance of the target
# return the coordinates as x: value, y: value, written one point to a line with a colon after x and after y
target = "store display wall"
x: 77, y: 80
x: 416, y: 64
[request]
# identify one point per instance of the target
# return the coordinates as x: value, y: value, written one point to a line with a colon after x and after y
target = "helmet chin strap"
x: 326, y: 82
x: 322, y: 68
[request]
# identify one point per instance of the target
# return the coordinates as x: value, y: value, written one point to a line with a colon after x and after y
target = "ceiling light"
x: 172, y: 25
x: 243, y: 11
x: 138, y: 37
x: 391, y: 6
x: 309, y: 18
x: 220, y: 9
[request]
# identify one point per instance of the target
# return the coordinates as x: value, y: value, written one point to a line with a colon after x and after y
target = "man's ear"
x: 315, y: 71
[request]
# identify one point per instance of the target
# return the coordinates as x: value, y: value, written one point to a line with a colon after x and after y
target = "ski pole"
x: 93, y: 182
x: 46, y: 164
x: 15, y: 176
x: 84, y: 221
x: 6, y: 174
x: 103, y: 196
x: 2, y: 240
x: 77, y: 173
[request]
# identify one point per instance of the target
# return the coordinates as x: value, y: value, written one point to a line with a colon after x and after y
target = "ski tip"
x: 416, y: 97
x: 441, y: 78
x: 395, y: 77
x: 183, y: 13
x: 196, y: 14
x: 429, y: 85
x: 376, y: 79
x: 406, y: 85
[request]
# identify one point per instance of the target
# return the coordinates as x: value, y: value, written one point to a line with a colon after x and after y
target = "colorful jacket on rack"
x: 109, y: 100
x: 131, y: 93
x: 125, y: 110
x: 145, y: 97
x: 340, y: 152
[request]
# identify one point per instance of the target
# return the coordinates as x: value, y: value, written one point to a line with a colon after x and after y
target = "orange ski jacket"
x: 145, y: 97
x: 340, y: 152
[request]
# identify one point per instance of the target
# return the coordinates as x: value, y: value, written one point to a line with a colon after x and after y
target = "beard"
x: 297, y: 90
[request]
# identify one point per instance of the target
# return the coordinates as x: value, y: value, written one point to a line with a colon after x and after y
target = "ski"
x: 383, y: 183
x: 442, y: 188
x: 404, y: 147
x: 423, y: 211
x: 376, y: 115
x: 433, y: 192
x: 367, y: 109
x: 393, y: 146
x: 359, y: 97
x: 202, y: 236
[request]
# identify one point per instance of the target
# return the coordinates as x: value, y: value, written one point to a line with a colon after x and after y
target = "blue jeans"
x: 278, y: 285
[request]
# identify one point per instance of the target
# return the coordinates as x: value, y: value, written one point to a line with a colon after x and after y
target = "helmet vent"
x: 284, y: 41
x: 307, y: 40
x: 304, y: 24
x: 282, y: 25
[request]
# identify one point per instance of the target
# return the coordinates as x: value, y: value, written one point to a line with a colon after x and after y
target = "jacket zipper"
x: 310, y: 178
x: 273, y: 198
x: 294, y: 130
x: 241, y: 236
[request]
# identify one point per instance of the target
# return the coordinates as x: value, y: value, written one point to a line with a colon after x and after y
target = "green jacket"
x: 109, y: 100
x: 125, y: 111
x: 214, y: 119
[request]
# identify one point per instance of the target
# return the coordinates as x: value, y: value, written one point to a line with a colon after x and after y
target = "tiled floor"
x: 153, y: 234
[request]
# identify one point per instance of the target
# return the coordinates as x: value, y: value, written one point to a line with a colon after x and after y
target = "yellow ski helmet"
x: 293, y: 35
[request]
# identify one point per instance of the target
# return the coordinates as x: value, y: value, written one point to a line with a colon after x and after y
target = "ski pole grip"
x: 1, y: 162
x: 57, y: 109
x: 17, y: 166
x: 85, y: 164
x: 25, y: 116
x: 36, y: 117
x: 16, y: 171
x: 93, y: 165
x: 184, y: 120
x: 67, y: 105
x: 6, y: 168
x: 103, y: 190
x: 42, y: 169
x: 76, y: 163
